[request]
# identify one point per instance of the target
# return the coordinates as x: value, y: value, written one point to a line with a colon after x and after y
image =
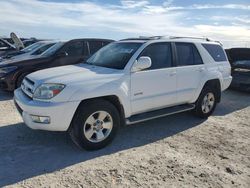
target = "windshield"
x: 115, y: 55
x: 32, y: 47
x: 42, y: 49
x: 52, y: 50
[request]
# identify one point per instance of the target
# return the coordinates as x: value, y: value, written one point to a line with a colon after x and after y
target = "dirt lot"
x: 175, y: 151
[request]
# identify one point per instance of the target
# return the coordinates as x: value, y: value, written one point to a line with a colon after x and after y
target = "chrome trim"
x: 27, y: 88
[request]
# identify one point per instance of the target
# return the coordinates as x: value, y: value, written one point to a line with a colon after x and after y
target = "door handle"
x: 172, y: 73
x: 201, y: 69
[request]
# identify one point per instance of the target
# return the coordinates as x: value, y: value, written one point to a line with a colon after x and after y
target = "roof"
x: 92, y: 39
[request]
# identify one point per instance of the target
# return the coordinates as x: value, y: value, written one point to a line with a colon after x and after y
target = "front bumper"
x: 60, y: 113
x: 6, y: 83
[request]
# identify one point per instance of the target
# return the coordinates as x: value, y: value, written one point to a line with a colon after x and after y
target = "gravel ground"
x: 175, y: 151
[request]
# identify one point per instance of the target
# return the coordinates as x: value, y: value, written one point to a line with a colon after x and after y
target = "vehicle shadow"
x: 4, y: 95
x: 25, y: 153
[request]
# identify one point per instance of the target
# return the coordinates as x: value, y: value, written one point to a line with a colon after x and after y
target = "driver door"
x: 75, y: 53
x: 154, y: 87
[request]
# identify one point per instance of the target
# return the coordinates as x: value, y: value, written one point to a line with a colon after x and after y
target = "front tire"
x: 95, y: 124
x: 20, y: 80
x: 206, y: 103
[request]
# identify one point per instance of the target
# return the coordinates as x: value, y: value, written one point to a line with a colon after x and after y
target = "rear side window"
x: 216, y: 52
x: 160, y: 54
x: 187, y: 54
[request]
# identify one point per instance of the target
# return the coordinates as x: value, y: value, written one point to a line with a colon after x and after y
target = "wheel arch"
x: 216, y: 85
x: 113, y: 99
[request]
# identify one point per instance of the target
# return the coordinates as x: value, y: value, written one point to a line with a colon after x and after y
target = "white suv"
x: 125, y: 82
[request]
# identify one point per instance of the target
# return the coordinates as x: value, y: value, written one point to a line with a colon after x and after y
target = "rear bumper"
x: 60, y: 113
x: 241, y: 81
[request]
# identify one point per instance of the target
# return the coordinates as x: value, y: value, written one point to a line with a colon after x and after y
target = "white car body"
x: 137, y: 92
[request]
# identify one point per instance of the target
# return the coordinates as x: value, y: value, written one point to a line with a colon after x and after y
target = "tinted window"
x: 187, y: 54
x: 215, y: 51
x: 42, y: 49
x: 73, y: 48
x: 160, y: 54
x: 53, y: 49
x: 114, y: 55
x: 94, y: 46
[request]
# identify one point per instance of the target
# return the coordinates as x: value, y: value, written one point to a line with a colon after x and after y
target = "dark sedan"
x: 62, y: 53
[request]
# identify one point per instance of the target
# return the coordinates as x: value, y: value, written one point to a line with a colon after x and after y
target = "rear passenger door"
x: 190, y: 69
x: 154, y: 87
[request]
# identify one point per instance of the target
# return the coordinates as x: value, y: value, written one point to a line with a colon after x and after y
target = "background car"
x: 6, y: 47
x: 62, y: 53
x: 28, y: 42
x: 239, y: 59
x: 28, y: 50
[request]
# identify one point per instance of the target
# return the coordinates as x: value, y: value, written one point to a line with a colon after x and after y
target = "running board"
x: 158, y: 113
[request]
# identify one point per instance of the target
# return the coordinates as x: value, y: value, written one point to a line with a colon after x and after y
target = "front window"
x: 160, y: 55
x: 115, y: 55
x: 73, y: 49
x: 32, y: 47
x: 52, y: 50
x: 42, y: 49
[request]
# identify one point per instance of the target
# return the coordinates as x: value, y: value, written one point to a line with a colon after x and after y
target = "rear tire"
x: 206, y: 103
x: 95, y: 124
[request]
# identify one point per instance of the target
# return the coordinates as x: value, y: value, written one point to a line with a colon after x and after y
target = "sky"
x: 225, y: 20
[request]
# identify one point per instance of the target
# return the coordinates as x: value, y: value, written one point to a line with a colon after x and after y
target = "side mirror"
x: 62, y: 54
x: 142, y: 63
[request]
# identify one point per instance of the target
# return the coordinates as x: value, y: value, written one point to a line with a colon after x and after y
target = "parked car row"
x: 101, y: 85
x: 45, y: 54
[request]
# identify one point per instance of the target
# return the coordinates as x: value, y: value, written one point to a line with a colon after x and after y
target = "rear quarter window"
x: 216, y: 52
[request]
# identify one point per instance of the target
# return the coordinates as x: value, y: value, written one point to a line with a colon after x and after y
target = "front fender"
x: 119, y: 88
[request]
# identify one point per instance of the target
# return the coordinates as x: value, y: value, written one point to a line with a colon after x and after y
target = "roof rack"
x: 180, y: 37
x: 170, y: 37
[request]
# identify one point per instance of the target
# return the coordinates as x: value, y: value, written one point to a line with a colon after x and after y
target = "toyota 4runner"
x: 125, y: 82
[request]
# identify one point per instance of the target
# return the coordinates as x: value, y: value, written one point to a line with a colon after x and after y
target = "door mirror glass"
x: 142, y: 63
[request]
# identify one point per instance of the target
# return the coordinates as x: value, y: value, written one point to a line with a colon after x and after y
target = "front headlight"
x: 48, y: 91
x: 6, y: 70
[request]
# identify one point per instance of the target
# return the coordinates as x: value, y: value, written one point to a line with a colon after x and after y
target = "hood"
x: 75, y: 74
x: 18, y: 58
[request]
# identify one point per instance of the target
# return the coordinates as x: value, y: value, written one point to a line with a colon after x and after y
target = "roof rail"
x: 179, y: 37
x: 144, y: 38
x: 171, y: 37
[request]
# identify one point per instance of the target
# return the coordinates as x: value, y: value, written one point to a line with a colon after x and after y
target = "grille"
x: 28, y: 87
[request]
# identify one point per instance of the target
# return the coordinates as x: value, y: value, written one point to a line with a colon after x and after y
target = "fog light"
x: 40, y: 119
